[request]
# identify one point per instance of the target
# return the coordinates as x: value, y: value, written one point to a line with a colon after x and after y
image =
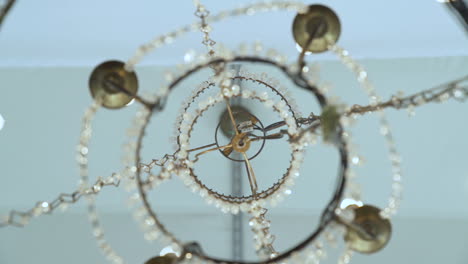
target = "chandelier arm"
x: 251, y: 175
x: 460, y: 9
x: 6, y: 9
x: 274, y: 126
x: 314, y: 32
x: 278, y: 135
x: 202, y: 147
x: 137, y: 98
x: 231, y: 116
x: 438, y: 94
x: 197, y: 156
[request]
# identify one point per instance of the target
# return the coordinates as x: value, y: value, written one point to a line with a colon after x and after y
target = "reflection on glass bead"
x: 2, y: 122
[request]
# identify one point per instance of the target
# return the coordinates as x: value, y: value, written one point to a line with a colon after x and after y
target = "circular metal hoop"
x: 242, y: 200
x: 329, y: 211
x: 237, y: 201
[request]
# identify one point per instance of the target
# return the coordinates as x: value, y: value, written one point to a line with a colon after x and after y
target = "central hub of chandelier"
x: 240, y: 143
x: 240, y: 126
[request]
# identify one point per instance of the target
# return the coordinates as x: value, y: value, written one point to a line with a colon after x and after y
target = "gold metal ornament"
x: 166, y: 259
x: 369, y: 232
x: 241, y: 143
x: 316, y: 29
x: 112, y: 84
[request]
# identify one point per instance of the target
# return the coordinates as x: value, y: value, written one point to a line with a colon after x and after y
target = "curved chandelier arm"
x: 197, y: 156
x: 314, y: 31
x: 231, y: 116
x: 460, y: 9
x: 251, y: 175
x: 5, y: 9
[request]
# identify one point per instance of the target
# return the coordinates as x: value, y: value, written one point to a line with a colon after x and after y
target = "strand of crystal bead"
x: 251, y: 9
x: 454, y: 89
x: 152, y: 227
x: 22, y: 218
x: 345, y: 258
x: 263, y: 239
x: 205, y: 28
x: 374, y: 99
x: 82, y: 158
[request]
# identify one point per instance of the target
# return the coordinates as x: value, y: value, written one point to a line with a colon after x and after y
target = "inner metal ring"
x: 245, y: 199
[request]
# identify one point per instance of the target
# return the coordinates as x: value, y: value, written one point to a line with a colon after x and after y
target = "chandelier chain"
x: 21, y: 218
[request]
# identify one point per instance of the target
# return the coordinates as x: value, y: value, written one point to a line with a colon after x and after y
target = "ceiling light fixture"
x: 348, y: 215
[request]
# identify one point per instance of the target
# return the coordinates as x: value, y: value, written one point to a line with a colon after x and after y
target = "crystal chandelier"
x: 231, y: 83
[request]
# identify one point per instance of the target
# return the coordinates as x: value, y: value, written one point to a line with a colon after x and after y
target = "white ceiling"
x: 66, y: 33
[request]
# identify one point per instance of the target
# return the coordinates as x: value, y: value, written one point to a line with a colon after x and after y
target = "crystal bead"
x: 457, y: 93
